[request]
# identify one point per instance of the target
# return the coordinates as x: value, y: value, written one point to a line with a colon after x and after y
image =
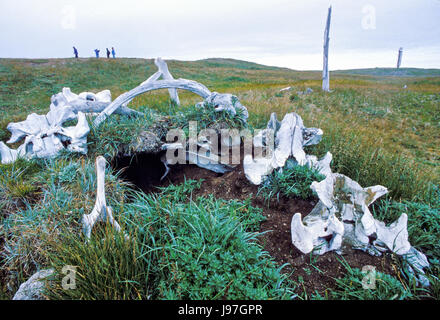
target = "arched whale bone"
x: 183, y: 84
x: 220, y: 101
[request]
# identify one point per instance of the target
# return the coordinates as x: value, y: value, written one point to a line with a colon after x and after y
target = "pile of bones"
x: 340, y: 220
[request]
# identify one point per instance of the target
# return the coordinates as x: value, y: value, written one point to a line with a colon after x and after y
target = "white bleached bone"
x: 302, y: 237
x: 100, y: 212
x: 318, y: 226
x: 312, y: 136
x: 103, y: 96
x: 87, y: 102
x: 345, y: 200
x: 257, y: 168
x: 219, y: 101
x: 284, y: 140
x: 165, y: 74
x: 76, y: 136
x: 163, y: 159
x: 290, y: 139
x: 285, y: 89
x: 322, y: 166
x: 325, y: 72
x: 341, y: 218
x: 202, y: 157
x: 273, y: 123
x: 9, y: 155
x: 33, y: 288
x: 183, y: 84
x: 416, y: 262
x: 163, y: 68
x: 395, y: 236
x: 35, y: 124
x: 207, y: 160
x: 348, y: 200
x: 311, y: 235
x: 44, y: 145
x: 45, y: 137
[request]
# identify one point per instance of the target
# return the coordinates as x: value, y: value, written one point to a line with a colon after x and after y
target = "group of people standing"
x: 113, y: 53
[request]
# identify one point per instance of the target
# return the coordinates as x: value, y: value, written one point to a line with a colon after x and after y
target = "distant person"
x: 75, y: 52
x: 108, y: 53
x: 97, y: 53
x: 113, y: 52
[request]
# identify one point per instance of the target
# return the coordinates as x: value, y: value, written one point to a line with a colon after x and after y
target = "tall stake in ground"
x: 325, y: 74
x: 399, y: 58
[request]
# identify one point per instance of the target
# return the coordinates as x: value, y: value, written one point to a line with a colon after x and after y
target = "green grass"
x: 423, y: 228
x: 386, y: 287
x: 117, y: 134
x: 178, y: 249
x: 393, y: 72
x: 293, y: 181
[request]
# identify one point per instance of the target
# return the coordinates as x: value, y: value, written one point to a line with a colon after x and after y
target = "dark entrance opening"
x: 144, y: 170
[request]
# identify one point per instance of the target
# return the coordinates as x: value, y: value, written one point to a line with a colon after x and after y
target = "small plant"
x: 207, y: 117
x: 17, y: 180
x: 355, y: 286
x: 116, y: 133
x: 291, y: 181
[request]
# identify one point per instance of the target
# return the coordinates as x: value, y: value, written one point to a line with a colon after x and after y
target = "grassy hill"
x: 378, y: 133
x: 393, y: 72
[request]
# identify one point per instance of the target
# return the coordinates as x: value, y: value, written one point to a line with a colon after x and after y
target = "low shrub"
x: 291, y: 181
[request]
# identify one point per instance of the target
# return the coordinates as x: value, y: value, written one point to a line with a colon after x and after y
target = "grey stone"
x: 33, y: 288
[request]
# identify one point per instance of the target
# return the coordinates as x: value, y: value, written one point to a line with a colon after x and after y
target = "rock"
x: 33, y: 288
x: 146, y: 142
x: 307, y: 91
x: 225, y: 102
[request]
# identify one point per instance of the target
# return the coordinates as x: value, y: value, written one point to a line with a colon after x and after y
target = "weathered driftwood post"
x: 399, y: 58
x: 325, y: 74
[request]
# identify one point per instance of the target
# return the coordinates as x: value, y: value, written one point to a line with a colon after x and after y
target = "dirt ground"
x: 318, y: 272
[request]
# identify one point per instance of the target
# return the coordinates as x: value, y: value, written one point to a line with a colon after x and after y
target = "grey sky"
x: 283, y: 33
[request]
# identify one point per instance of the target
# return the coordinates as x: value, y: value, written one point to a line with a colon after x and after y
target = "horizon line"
x: 195, y: 60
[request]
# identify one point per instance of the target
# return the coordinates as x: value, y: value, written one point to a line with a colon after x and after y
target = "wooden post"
x: 399, y: 59
x: 325, y: 73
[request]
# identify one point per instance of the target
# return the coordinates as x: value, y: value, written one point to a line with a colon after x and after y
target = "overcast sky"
x: 284, y: 33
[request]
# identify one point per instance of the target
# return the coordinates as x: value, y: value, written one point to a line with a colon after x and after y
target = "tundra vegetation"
x: 186, y: 246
